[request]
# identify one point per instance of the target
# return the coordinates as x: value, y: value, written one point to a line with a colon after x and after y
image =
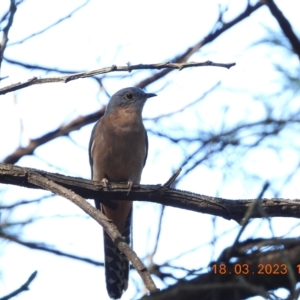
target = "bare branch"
x: 251, y: 270
x: 285, y: 25
x: 209, y: 38
x: 152, y: 266
x: 113, y: 68
x: 12, y: 11
x: 45, y: 183
x: 50, y: 26
x: 210, y: 90
x: 63, y: 130
x: 172, y: 178
x: 228, y: 209
x: 37, y: 67
x: 75, y: 124
x: 47, y: 248
x: 179, y: 59
x: 2, y: 78
x: 22, y: 288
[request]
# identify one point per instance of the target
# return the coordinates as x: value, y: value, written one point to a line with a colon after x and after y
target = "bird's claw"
x: 130, y: 184
x: 105, y: 182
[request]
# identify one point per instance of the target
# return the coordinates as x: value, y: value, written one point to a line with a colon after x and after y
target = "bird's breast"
x: 120, y: 141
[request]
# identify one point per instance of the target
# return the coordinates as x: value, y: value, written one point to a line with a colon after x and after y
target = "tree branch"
x: 180, y: 59
x: 284, y: 25
x: 63, y: 130
x: 47, y: 184
x: 113, y: 68
x: 12, y: 11
x: 75, y: 124
x: 255, y: 267
x: 37, y: 67
x: 18, y: 153
x: 221, y: 28
x: 46, y: 248
x: 228, y: 209
x: 24, y: 287
x: 50, y: 26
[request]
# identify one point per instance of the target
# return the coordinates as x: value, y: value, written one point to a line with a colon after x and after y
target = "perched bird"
x: 118, y: 151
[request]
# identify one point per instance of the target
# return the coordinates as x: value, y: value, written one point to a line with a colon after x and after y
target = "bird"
x: 118, y: 150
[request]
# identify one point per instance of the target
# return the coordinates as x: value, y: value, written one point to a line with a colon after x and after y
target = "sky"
x: 117, y: 32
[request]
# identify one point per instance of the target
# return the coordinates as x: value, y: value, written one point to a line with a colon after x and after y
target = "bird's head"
x: 130, y: 97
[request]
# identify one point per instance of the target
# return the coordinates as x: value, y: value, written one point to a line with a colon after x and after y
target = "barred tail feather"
x: 116, y: 263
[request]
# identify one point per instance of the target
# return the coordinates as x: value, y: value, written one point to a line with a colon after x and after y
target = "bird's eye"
x: 129, y: 96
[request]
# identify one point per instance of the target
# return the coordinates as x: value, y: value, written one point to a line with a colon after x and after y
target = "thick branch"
x: 256, y: 266
x: 228, y: 209
x: 47, y: 184
x: 113, y: 68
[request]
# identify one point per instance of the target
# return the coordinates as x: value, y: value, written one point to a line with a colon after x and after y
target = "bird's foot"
x: 105, y: 182
x: 130, y: 184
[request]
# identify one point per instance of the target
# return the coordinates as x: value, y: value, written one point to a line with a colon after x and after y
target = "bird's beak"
x: 149, y: 95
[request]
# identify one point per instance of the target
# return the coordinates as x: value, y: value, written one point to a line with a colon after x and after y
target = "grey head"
x: 128, y: 97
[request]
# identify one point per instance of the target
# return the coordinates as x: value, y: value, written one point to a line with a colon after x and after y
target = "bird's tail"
x: 116, y: 263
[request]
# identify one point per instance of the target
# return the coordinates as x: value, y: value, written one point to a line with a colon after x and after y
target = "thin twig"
x: 221, y: 28
x: 46, y: 248
x: 172, y: 178
x: 22, y: 288
x: 12, y: 11
x: 285, y: 25
x: 63, y: 130
x: 50, y: 26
